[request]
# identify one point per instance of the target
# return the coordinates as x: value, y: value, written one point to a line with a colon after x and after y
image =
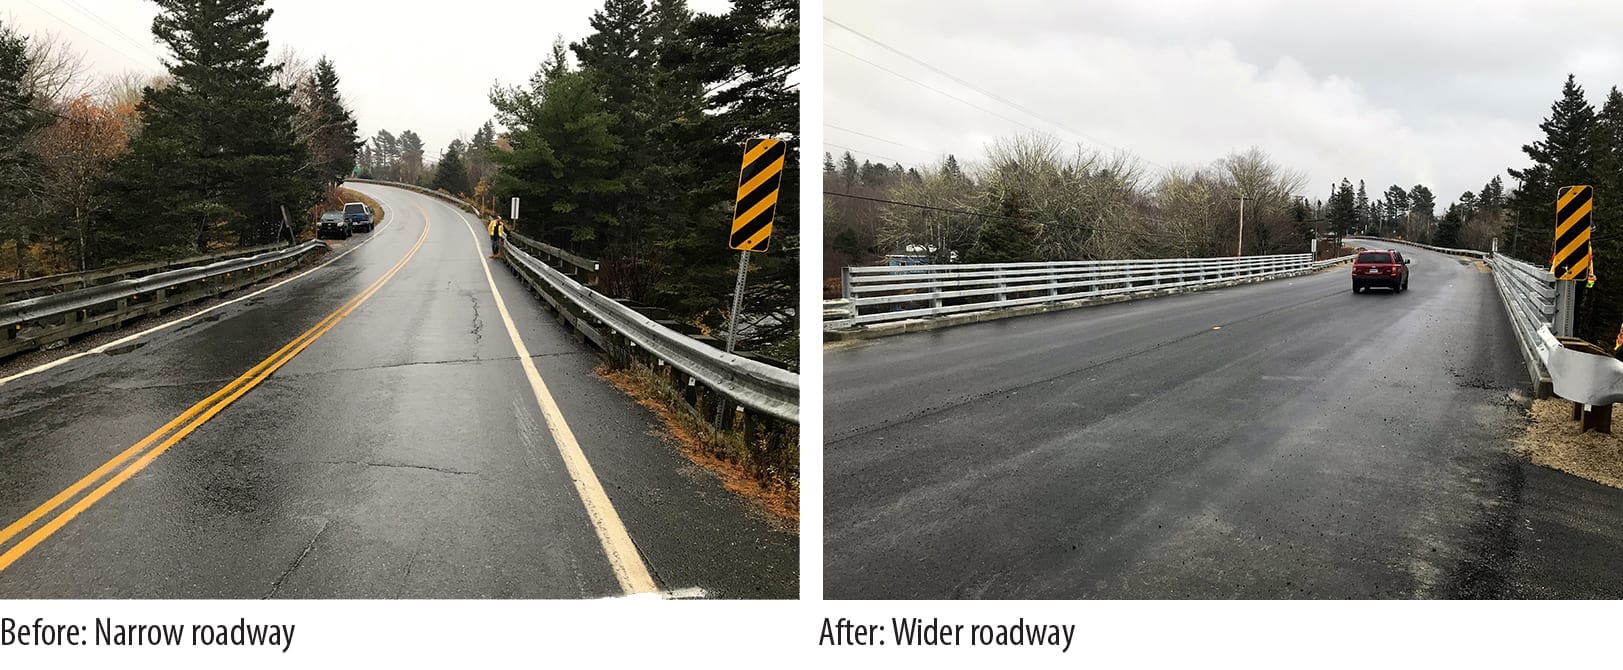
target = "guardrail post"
x: 935, y: 296
x: 1597, y: 418
x: 751, y: 427
x: 1565, y: 301
x: 845, y: 282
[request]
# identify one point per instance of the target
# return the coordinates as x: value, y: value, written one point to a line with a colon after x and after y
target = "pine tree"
x: 1603, y: 313
x: 411, y: 157
x: 451, y: 176
x: 1343, y: 209
x: 952, y: 170
x: 485, y: 138
x: 216, y: 157
x: 1361, y: 202
x: 1397, y: 200
x: 1564, y: 157
x: 334, y: 144
x: 564, y: 157
x: 1448, y: 230
x: 1422, y: 203
x: 20, y: 116
x: 1010, y: 239
x: 386, y: 153
x: 1492, y: 197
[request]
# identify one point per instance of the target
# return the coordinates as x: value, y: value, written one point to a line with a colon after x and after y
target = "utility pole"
x: 1239, y: 246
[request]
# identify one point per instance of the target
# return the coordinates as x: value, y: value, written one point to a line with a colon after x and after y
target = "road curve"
x: 400, y: 455
x: 1285, y: 439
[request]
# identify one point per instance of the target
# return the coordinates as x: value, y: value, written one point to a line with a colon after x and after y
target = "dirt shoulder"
x: 1553, y: 441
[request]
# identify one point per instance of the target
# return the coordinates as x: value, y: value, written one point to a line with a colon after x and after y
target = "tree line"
x: 202, y: 157
x: 1030, y: 198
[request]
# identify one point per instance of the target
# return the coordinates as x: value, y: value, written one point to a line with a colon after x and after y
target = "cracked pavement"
x: 401, y: 455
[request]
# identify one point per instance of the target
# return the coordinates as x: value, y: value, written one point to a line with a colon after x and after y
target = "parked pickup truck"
x: 359, y: 216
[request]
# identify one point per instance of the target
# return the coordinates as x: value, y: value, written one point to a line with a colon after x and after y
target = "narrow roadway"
x: 1273, y: 440
x: 400, y: 455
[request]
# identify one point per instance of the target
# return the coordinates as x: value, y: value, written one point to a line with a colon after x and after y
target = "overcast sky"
x: 418, y: 66
x: 1391, y: 91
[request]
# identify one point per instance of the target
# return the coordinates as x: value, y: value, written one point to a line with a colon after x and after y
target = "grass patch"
x: 1553, y: 441
x: 768, y: 477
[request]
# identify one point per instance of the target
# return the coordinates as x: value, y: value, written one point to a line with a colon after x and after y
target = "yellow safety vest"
x: 495, y: 227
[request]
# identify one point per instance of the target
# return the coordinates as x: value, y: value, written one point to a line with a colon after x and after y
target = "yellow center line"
x: 198, y: 414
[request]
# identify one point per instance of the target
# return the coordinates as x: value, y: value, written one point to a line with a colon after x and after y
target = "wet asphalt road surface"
x: 401, y: 455
x: 1286, y: 439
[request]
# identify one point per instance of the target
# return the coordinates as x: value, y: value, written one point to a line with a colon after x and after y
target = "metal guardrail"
x: 72, y: 281
x: 620, y: 330
x: 49, y: 320
x: 895, y: 293
x: 1529, y: 297
x: 581, y: 269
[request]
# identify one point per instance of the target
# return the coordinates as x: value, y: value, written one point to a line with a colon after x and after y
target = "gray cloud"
x: 1440, y: 93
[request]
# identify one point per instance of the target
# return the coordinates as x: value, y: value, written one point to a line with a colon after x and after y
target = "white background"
x: 654, y: 633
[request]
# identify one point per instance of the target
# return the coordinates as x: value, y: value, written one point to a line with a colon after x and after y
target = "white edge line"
x: 372, y: 235
x: 624, y: 560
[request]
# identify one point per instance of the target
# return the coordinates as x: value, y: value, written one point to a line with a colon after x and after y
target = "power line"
x: 978, y: 89
x: 873, y: 137
x: 145, y: 48
x: 860, y: 151
x: 81, y: 31
x: 1022, y: 124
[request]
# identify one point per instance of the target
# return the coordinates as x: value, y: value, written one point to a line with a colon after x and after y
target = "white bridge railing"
x: 893, y: 293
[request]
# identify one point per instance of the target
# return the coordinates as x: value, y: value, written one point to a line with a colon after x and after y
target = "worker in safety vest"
x: 498, y: 229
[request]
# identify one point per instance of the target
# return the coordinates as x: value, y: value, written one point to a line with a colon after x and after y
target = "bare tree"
x: 55, y: 73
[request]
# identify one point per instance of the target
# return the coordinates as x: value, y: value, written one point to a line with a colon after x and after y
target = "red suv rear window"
x: 1374, y: 257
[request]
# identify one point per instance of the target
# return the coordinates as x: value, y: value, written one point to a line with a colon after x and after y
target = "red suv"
x: 1383, y: 267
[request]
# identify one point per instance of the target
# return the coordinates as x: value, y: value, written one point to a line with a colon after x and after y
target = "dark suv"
x: 333, y: 224
x: 1383, y: 267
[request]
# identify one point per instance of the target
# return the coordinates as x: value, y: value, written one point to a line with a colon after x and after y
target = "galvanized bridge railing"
x: 49, y: 320
x: 894, y: 293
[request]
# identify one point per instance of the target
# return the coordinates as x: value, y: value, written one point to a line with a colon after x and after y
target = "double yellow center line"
x: 153, y: 445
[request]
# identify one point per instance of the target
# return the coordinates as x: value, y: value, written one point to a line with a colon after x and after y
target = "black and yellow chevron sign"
x: 757, y: 194
x: 1574, y: 214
